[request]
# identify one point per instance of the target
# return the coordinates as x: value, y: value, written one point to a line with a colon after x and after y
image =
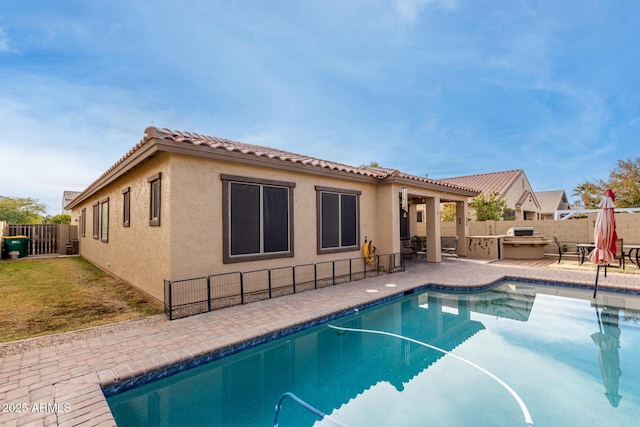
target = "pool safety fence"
x: 183, y: 298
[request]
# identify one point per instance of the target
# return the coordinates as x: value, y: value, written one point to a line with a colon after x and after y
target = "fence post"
x: 293, y: 270
x: 333, y: 273
x: 350, y: 270
x: 167, y: 296
x: 241, y: 288
x: 269, y: 280
x: 208, y: 293
x: 315, y: 276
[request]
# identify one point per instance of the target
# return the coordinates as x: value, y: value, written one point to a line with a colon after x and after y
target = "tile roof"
x: 70, y: 195
x: 181, y: 138
x: 487, y: 182
x: 256, y: 150
x: 273, y: 153
x: 523, y: 197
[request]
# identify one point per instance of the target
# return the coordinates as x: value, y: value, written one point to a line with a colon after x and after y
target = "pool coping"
x: 84, y: 394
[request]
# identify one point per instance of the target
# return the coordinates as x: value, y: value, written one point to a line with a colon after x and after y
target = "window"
x: 338, y: 219
x: 154, y: 199
x: 126, y: 206
x: 419, y: 218
x: 104, y: 214
x: 257, y: 218
x: 96, y: 220
x: 83, y: 222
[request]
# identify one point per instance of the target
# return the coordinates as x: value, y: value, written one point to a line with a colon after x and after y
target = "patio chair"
x: 619, y: 255
x: 408, y: 249
x: 560, y: 251
x: 449, y: 246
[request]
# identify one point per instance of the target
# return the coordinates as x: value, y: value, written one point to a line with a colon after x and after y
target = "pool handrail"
x: 306, y: 406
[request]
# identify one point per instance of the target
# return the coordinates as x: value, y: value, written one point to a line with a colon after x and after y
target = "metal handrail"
x: 306, y: 406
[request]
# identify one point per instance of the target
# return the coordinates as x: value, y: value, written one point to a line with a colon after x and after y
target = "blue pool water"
x: 570, y: 361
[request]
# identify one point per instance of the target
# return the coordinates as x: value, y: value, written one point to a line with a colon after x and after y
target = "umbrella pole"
x: 596, y: 287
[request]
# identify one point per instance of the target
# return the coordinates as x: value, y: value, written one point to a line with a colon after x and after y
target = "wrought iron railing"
x: 187, y: 297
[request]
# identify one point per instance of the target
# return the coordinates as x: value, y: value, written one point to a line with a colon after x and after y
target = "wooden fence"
x: 43, y: 238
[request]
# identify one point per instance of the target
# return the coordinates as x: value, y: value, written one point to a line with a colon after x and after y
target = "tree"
x: 448, y: 212
x: 590, y: 193
x: 22, y: 210
x: 624, y: 180
x: 370, y: 165
x: 60, y: 219
x: 625, y: 183
x: 491, y: 207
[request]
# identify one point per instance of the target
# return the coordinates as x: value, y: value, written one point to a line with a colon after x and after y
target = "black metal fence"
x: 187, y: 297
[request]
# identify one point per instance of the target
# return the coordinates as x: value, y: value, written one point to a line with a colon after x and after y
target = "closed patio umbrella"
x: 604, y: 235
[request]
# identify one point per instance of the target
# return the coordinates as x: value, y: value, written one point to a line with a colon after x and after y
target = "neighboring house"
x: 512, y: 186
x: 181, y: 205
x: 67, y: 197
x: 551, y: 201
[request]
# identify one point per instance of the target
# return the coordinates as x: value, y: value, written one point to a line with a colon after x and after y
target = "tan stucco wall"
x: 481, y: 247
x: 570, y: 231
x: 196, y: 212
x: 515, y: 192
x: 189, y: 242
x: 139, y: 254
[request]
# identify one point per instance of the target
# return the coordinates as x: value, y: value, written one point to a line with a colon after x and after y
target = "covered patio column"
x: 462, y: 229
x: 433, y: 229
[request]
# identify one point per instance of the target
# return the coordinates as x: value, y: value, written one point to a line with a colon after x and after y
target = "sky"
x: 436, y: 88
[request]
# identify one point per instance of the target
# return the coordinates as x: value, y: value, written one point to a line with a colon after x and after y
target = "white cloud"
x: 410, y: 10
x: 4, y: 41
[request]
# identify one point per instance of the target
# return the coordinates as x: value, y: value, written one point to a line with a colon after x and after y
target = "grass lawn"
x: 51, y: 295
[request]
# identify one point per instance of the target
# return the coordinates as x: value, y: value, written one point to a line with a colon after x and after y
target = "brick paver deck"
x: 61, y: 384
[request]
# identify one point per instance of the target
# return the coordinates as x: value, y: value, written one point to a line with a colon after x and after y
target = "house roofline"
x: 191, y: 144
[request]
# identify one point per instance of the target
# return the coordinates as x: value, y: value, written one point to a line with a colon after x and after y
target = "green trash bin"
x: 18, y: 244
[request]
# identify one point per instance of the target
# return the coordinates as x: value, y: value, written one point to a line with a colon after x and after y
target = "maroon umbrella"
x: 604, y: 235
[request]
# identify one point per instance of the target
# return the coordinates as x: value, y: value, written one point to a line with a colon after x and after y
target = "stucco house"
x: 67, y: 197
x: 180, y: 205
x: 551, y: 201
x: 513, y: 186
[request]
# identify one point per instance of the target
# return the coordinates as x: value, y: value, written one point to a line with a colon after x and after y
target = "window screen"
x: 257, y: 218
x: 104, y: 231
x: 338, y: 219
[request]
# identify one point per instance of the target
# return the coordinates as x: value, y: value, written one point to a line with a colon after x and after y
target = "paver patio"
x: 61, y: 384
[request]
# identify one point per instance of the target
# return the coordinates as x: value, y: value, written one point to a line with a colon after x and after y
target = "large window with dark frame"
x: 154, y: 199
x: 96, y: 220
x: 338, y: 219
x: 257, y: 218
x: 126, y: 206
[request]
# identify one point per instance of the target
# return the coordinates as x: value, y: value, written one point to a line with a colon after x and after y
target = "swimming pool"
x: 570, y: 361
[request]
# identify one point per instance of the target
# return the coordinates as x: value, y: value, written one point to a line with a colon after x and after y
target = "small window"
x: 419, y: 218
x: 96, y: 220
x: 257, y: 218
x: 126, y: 206
x: 104, y: 214
x: 154, y: 199
x: 338, y: 219
x: 83, y: 222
